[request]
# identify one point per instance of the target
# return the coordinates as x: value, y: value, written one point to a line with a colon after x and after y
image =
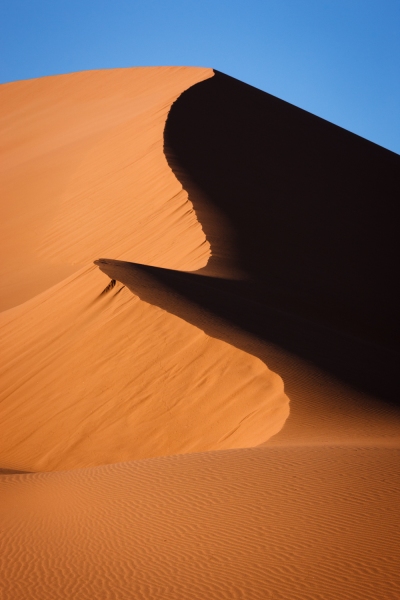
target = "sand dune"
x: 83, y: 173
x: 323, y: 409
x: 244, y: 253
x: 105, y: 378
x: 312, y: 209
x: 165, y: 386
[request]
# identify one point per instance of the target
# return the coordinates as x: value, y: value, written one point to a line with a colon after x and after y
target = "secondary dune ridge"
x: 169, y: 361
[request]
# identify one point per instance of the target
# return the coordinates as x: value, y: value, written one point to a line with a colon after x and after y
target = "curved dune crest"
x: 302, y: 219
x: 83, y: 174
x: 92, y: 378
x: 106, y: 378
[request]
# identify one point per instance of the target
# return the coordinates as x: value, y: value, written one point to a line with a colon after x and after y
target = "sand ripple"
x: 320, y: 523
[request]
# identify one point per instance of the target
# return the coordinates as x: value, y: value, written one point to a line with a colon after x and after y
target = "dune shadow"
x: 306, y: 213
x: 14, y: 472
x: 301, y: 217
x: 209, y: 302
x: 311, y: 209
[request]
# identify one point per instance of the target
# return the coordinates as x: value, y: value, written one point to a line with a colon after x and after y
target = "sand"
x: 83, y: 172
x: 165, y: 302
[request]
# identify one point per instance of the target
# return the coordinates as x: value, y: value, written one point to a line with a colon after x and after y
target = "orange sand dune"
x: 106, y: 378
x: 323, y: 409
x: 244, y: 255
x: 83, y: 174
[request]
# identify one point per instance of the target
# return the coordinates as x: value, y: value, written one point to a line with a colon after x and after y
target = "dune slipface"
x: 182, y: 253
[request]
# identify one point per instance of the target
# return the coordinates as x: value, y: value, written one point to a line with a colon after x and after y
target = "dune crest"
x: 83, y: 174
x: 105, y: 377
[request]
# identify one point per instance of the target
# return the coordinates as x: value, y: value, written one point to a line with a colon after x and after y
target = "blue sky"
x: 339, y: 59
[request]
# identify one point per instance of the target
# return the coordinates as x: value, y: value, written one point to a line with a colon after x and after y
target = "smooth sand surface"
x: 83, y: 173
x: 213, y: 300
x: 106, y: 378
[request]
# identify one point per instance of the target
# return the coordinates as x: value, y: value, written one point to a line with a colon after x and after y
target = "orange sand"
x: 164, y: 366
x: 83, y: 174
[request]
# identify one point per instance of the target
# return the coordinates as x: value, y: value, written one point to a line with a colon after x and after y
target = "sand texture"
x: 183, y: 259
x: 83, y: 173
x: 314, y: 523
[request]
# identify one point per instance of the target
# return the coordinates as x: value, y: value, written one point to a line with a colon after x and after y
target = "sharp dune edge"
x: 203, y: 335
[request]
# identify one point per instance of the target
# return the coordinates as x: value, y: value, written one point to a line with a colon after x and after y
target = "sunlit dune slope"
x: 83, y: 174
x: 91, y: 378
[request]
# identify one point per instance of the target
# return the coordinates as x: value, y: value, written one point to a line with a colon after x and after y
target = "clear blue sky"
x: 339, y: 59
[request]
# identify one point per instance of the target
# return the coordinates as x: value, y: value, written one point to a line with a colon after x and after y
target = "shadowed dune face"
x: 310, y: 209
x: 312, y: 206
x: 106, y: 377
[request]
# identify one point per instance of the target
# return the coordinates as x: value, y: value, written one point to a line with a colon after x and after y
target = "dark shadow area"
x: 199, y: 299
x: 300, y: 207
x: 301, y: 217
x: 13, y: 472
